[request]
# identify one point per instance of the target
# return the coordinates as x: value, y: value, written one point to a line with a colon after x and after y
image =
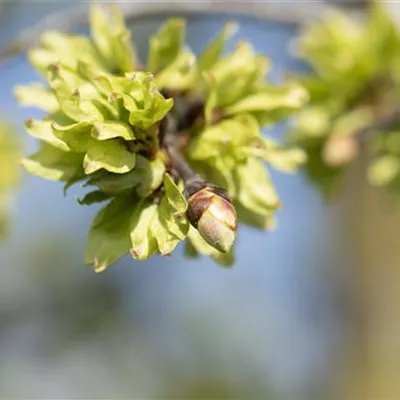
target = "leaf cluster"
x: 104, y: 112
x: 354, y: 84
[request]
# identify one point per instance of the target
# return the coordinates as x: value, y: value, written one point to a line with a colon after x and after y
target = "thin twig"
x: 170, y: 142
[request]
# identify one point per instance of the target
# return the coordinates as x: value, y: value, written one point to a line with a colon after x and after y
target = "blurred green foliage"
x: 354, y: 91
x: 9, y: 171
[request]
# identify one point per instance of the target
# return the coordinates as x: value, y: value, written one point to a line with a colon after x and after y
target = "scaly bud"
x: 211, y: 212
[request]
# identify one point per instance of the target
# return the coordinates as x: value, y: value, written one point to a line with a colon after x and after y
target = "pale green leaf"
x: 211, y: 54
x: 41, y: 59
x: 166, y: 44
x: 112, y: 129
x: 271, y: 98
x: 142, y: 241
x: 112, y: 38
x: 112, y: 155
x: 169, y: 226
x: 68, y: 49
x: 76, y: 135
x: 54, y: 164
x: 109, y: 236
x: 237, y: 75
x: 180, y: 75
x: 155, y: 112
x: 232, y: 139
x: 42, y: 130
x: 254, y: 189
x: 36, y: 95
x: 146, y: 177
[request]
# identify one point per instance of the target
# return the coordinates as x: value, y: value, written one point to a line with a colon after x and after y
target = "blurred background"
x: 309, y: 311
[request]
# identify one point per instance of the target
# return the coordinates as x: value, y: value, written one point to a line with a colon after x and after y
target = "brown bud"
x: 213, y: 215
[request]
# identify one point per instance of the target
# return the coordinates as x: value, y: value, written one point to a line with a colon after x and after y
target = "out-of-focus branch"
x: 294, y: 13
x: 384, y: 123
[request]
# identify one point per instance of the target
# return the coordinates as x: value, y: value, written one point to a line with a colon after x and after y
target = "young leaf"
x: 112, y: 129
x: 42, y: 130
x: 169, y: 225
x: 166, y: 44
x: 258, y: 196
x: 109, y: 236
x: 112, y: 155
x: 143, y: 243
x: 76, y: 135
x: 93, y: 197
x: 211, y: 54
x: 36, y: 95
x: 54, y: 164
x: 146, y: 177
x: 237, y: 75
x: 290, y: 97
x: 112, y: 38
x: 180, y: 75
x: 68, y: 49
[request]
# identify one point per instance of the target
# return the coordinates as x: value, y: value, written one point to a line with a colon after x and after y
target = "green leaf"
x: 237, y: 75
x: 180, y: 75
x: 112, y: 129
x: 143, y: 243
x: 54, y: 164
x: 93, y: 197
x: 146, y: 177
x: 255, y: 195
x: 233, y: 139
x: 70, y: 101
x: 68, y: 49
x: 112, y: 38
x: 109, y: 236
x: 41, y: 59
x: 36, y: 95
x: 153, y: 113
x: 42, y: 130
x: 112, y: 155
x: 284, y: 158
x: 312, y: 122
x: 271, y: 98
x: 169, y: 226
x: 211, y: 54
x: 76, y: 135
x: 166, y: 44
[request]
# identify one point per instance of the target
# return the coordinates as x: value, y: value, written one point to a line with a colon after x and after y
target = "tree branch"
x: 292, y: 13
x: 392, y: 120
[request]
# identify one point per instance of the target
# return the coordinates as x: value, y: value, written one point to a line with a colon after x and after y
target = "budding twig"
x: 210, y: 209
